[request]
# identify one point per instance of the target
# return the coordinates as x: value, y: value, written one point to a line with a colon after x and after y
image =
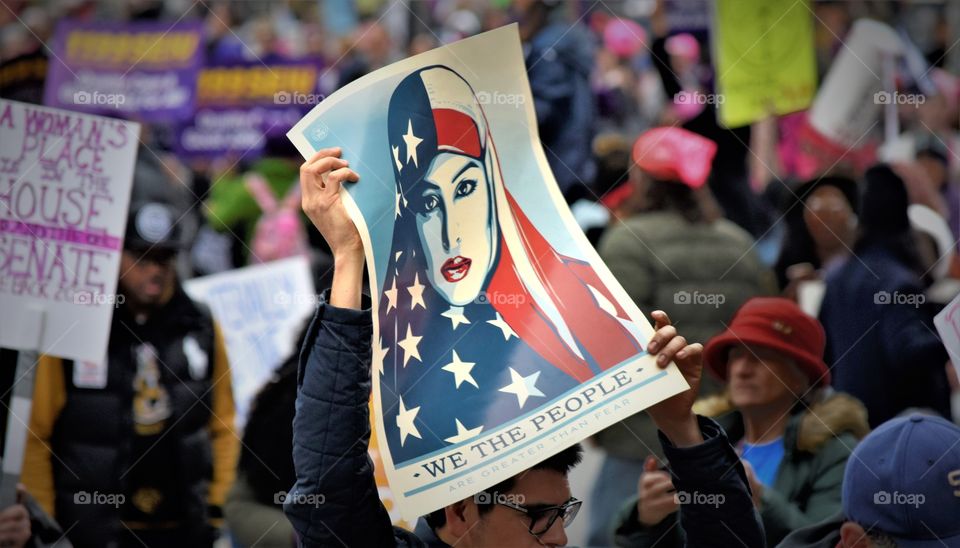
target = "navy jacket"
x: 335, y: 501
x: 881, y: 343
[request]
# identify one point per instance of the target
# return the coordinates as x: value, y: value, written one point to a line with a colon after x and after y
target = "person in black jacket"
x: 331, y: 428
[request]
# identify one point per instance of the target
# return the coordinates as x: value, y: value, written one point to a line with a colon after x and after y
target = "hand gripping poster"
x: 500, y: 338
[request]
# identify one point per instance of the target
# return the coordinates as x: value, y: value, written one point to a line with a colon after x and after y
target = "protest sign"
x: 947, y: 323
x: 146, y: 70
x: 500, y: 337
x: 240, y: 105
x: 764, y: 58
x: 260, y: 310
x: 847, y: 106
x: 65, y: 183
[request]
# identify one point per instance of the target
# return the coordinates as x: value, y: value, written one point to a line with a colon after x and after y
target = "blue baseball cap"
x: 904, y: 480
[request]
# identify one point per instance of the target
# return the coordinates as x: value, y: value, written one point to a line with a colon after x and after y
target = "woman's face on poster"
x: 454, y: 223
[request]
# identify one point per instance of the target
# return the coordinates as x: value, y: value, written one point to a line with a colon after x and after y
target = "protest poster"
x: 764, y: 58
x: 261, y: 310
x: 848, y: 106
x: 500, y: 338
x: 240, y: 105
x: 145, y: 70
x: 65, y: 182
x: 947, y: 323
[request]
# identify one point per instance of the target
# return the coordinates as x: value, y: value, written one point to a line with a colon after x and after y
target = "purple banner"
x: 145, y: 71
x: 241, y: 105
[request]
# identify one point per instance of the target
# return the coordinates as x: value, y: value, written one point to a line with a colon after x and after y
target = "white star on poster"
x: 391, y: 296
x: 416, y: 293
x: 396, y: 207
x: 412, y: 142
x: 463, y: 433
x: 502, y: 325
x: 405, y: 418
x: 456, y: 315
x: 396, y: 158
x: 461, y: 371
x: 522, y: 387
x: 409, y: 346
x: 379, y: 353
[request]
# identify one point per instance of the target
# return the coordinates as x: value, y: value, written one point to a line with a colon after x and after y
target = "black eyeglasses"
x: 542, y: 518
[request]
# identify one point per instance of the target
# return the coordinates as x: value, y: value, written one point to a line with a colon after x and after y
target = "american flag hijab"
x: 541, y: 322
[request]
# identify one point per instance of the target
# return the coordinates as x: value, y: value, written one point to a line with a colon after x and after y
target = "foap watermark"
x: 915, y: 300
x: 498, y: 98
x: 105, y: 499
x: 697, y: 98
x: 286, y: 299
x: 712, y: 299
x: 897, y: 98
x: 902, y: 499
x: 501, y: 299
x: 307, y: 499
x: 486, y: 497
x: 97, y: 99
x: 90, y: 298
x: 297, y: 98
x: 701, y: 499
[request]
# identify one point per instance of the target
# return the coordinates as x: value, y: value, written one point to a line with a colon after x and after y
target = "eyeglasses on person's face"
x: 542, y: 518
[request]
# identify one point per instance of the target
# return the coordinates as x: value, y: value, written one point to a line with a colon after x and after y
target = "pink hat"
x: 675, y: 154
x: 683, y: 45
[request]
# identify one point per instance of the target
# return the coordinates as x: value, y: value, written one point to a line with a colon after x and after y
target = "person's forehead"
x: 542, y: 487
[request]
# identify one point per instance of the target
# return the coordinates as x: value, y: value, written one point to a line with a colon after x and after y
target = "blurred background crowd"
x: 852, y: 211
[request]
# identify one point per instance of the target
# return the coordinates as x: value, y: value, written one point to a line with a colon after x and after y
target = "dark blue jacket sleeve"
x: 335, y: 500
x: 716, y: 507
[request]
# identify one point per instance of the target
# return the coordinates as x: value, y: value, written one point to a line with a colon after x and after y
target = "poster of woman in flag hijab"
x: 500, y: 338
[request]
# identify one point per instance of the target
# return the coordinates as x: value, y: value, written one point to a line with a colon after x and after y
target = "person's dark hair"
x: 934, y: 153
x: 612, y: 152
x: 674, y: 196
x: 883, y: 219
x: 562, y: 462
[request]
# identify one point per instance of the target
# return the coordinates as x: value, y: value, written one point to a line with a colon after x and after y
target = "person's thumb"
x: 650, y: 464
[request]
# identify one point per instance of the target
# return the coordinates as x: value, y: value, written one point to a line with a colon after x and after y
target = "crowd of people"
x: 794, y: 283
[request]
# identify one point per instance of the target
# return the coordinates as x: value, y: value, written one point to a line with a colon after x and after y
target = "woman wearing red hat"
x: 792, y: 430
x: 672, y: 255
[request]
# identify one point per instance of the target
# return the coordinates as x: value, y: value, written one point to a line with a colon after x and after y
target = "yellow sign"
x: 764, y: 58
x: 253, y: 83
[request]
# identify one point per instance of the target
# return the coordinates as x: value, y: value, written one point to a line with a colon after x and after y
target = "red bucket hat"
x: 778, y: 324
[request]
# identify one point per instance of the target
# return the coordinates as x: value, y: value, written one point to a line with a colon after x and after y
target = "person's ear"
x: 461, y: 517
x: 852, y: 535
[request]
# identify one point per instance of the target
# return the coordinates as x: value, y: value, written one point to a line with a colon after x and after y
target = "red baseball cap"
x: 675, y: 154
x: 778, y: 324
